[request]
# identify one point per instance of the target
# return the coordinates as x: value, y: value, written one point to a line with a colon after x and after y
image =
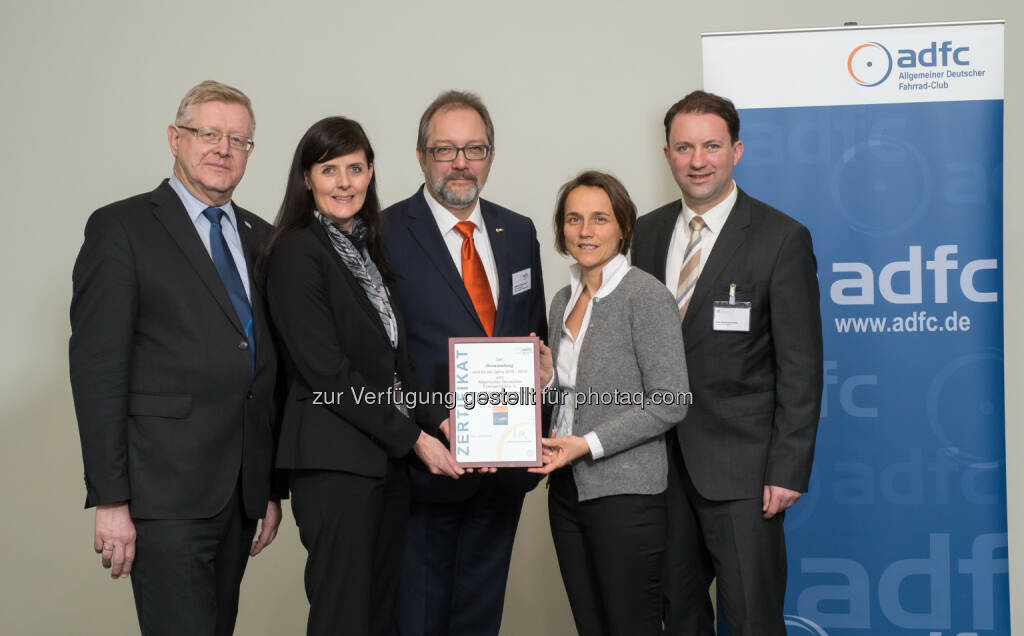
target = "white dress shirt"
x: 569, y: 349
x: 714, y: 219
x: 228, y: 227
x: 446, y: 223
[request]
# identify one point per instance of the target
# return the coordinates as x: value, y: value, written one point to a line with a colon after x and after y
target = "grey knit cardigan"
x: 633, y: 346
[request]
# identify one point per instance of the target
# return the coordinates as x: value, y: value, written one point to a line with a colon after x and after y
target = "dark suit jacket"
x: 334, y: 343
x: 169, y: 409
x: 434, y: 297
x: 756, y: 395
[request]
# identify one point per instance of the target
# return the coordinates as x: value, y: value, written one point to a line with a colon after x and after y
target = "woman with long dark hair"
x: 346, y: 431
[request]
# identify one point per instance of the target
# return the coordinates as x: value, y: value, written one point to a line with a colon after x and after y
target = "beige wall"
x: 90, y: 88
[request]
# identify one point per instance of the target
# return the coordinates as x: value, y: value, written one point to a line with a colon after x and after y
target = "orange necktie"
x: 475, y: 278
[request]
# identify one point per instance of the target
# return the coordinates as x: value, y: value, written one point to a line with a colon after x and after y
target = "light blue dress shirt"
x: 228, y: 224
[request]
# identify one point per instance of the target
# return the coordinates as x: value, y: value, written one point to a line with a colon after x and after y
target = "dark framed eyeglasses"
x: 213, y: 136
x: 475, y: 152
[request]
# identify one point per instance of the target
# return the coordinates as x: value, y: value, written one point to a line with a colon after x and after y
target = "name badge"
x: 521, y: 281
x: 731, y: 315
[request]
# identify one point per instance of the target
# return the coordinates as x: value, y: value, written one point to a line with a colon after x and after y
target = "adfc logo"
x: 869, y: 64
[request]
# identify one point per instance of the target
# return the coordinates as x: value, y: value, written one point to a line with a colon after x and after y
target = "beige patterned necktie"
x: 691, y: 266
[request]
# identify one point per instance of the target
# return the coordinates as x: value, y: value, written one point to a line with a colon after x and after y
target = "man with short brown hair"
x: 745, y: 280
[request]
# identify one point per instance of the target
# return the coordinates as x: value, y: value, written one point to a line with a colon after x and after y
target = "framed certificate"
x: 496, y: 421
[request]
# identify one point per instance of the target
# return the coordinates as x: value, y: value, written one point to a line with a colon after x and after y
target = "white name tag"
x: 731, y: 317
x: 521, y: 282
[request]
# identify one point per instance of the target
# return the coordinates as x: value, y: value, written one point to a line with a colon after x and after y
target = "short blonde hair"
x: 211, y: 91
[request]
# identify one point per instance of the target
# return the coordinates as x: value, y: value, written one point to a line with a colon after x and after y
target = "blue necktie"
x: 229, y: 275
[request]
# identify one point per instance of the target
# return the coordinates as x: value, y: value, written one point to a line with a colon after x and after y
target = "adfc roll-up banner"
x: 887, y: 143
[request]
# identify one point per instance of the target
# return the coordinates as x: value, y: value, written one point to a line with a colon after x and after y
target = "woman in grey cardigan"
x: 621, y: 374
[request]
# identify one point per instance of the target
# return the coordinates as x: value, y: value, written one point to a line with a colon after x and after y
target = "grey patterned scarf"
x: 350, y: 247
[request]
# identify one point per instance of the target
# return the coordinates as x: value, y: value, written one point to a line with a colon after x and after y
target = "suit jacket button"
x: 250, y: 395
x: 243, y: 345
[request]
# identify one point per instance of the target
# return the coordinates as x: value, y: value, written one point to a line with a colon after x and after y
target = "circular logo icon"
x: 869, y: 64
x: 800, y: 625
x: 965, y: 408
x: 882, y: 186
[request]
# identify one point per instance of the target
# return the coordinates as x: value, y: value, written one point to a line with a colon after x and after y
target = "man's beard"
x: 449, y: 197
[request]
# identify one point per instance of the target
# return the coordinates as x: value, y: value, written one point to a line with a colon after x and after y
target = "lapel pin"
x: 247, y: 224
x: 499, y: 229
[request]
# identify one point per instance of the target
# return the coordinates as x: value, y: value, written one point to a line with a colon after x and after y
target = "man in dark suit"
x: 466, y: 267
x: 173, y: 372
x: 744, y: 275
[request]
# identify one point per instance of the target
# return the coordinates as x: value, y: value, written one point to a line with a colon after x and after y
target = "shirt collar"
x: 716, y: 217
x: 194, y: 206
x: 445, y: 219
x: 611, y: 275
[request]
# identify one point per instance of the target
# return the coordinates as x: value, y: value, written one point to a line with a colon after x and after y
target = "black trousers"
x: 729, y: 540
x: 187, y: 572
x: 611, y: 554
x: 352, y: 527
x: 456, y: 563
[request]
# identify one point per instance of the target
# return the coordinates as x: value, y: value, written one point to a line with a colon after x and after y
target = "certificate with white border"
x: 496, y: 421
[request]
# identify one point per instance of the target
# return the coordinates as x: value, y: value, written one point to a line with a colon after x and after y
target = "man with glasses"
x: 470, y: 268
x: 173, y: 372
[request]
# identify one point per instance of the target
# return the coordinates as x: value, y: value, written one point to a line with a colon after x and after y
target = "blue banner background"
x: 904, y: 528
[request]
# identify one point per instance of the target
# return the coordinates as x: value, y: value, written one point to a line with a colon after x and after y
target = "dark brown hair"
x: 622, y: 206
x: 328, y: 138
x: 708, y: 104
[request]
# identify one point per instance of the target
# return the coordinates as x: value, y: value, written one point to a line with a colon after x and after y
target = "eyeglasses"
x: 213, y: 136
x: 449, y: 153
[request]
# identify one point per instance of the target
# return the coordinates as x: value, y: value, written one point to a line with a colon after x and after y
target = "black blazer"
x: 169, y: 408
x: 756, y: 395
x: 334, y: 344
x: 431, y: 292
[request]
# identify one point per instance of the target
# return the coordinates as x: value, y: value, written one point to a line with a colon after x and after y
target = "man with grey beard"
x: 467, y: 268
